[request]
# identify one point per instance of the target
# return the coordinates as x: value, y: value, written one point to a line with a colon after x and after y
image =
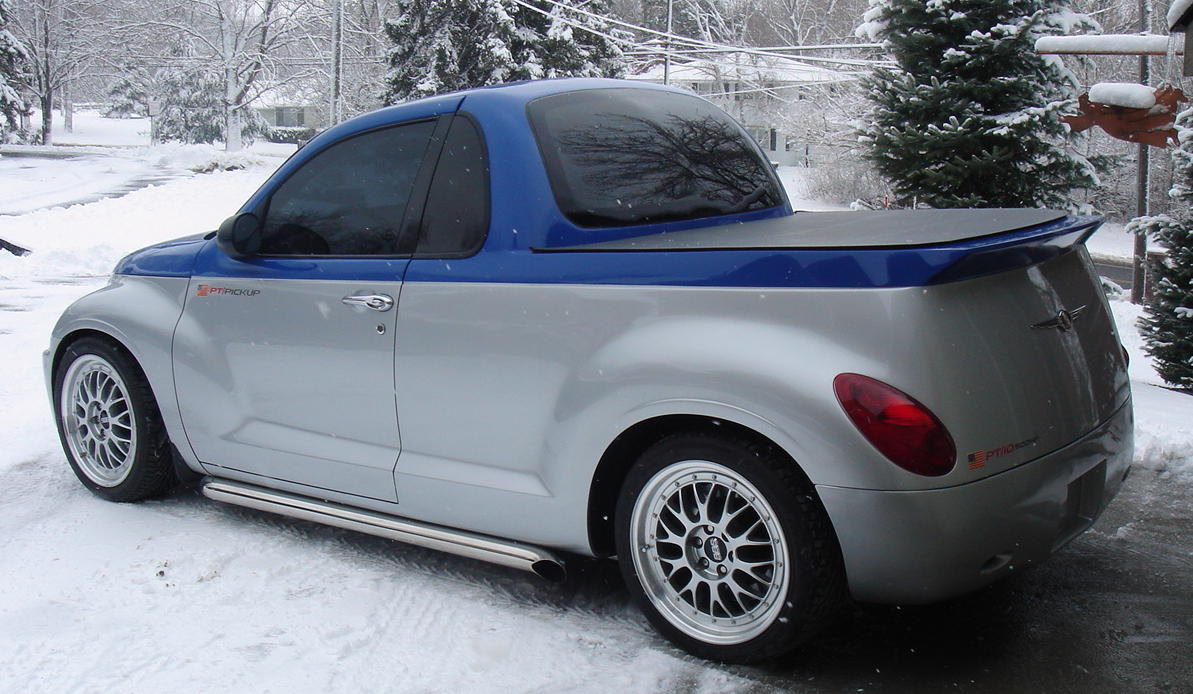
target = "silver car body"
x: 491, y: 406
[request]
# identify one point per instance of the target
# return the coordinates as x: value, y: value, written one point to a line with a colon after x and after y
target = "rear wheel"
x: 109, y: 423
x: 726, y: 549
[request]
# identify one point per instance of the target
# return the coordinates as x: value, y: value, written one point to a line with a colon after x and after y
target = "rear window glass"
x: 620, y: 157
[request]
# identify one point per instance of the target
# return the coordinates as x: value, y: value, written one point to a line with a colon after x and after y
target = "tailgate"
x: 1023, y: 361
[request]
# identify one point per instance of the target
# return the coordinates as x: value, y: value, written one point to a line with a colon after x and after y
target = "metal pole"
x: 1142, y: 187
x: 337, y: 63
x: 667, y: 46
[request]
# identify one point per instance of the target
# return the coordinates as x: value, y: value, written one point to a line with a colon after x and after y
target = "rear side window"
x: 456, y: 218
x: 619, y: 157
x: 350, y: 198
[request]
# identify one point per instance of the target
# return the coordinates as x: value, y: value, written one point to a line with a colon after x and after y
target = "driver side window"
x: 350, y: 198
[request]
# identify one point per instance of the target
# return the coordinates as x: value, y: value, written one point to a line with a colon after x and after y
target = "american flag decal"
x: 977, y: 460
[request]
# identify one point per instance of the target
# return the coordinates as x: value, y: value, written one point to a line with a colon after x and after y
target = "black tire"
x: 147, y: 471
x: 752, y: 480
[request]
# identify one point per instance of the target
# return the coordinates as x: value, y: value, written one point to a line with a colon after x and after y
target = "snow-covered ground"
x: 1112, y: 242
x: 106, y: 157
x: 188, y: 595
x: 794, y: 181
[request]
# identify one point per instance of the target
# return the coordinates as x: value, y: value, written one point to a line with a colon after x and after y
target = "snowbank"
x: 1163, y: 417
x: 87, y: 240
x: 1112, y: 242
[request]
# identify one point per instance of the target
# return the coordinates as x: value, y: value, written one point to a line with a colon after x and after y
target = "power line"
x: 684, y: 40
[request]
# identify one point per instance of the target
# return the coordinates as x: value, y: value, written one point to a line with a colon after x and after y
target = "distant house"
x: 763, y: 92
x: 284, y: 107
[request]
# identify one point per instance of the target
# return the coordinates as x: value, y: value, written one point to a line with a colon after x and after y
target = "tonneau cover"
x: 808, y: 230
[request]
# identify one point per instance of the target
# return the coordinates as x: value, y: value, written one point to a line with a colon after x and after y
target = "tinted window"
x: 456, y: 218
x: 618, y: 157
x: 350, y: 198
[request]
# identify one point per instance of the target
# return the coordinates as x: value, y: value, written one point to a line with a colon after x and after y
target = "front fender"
x: 140, y: 313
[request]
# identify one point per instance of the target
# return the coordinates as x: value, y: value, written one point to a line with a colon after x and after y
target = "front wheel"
x: 109, y: 423
x: 726, y: 549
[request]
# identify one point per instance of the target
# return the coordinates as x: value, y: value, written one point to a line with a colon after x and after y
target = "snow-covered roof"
x: 747, y: 68
x: 1178, y: 14
x: 1107, y: 44
x: 1126, y: 94
x: 274, y: 95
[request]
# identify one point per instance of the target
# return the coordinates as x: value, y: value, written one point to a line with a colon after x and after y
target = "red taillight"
x: 902, y: 429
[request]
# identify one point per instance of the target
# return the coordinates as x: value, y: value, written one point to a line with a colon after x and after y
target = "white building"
x: 769, y: 95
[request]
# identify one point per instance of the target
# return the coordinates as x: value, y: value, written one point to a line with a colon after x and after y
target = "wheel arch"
x: 624, y: 450
x: 77, y: 334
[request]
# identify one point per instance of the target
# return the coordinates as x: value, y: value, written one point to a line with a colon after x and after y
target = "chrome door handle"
x: 377, y: 302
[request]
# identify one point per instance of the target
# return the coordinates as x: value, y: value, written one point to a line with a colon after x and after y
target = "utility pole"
x: 1143, y: 182
x: 337, y: 64
x: 667, y: 45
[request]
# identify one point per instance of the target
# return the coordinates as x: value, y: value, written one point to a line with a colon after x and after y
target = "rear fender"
x: 773, y: 379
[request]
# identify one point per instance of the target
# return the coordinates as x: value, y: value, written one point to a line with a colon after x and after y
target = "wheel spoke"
x: 693, y: 582
x: 112, y: 450
x: 671, y: 523
x: 743, y: 539
x: 740, y: 588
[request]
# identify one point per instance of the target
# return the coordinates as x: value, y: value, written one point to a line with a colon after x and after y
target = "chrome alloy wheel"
x: 97, y: 418
x: 709, y: 552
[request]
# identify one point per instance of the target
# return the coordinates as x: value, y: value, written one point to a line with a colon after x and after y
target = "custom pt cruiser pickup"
x: 580, y: 317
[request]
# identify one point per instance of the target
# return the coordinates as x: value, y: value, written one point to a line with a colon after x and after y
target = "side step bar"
x: 465, y: 544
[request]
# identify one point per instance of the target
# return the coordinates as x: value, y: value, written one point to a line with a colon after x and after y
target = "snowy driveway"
x: 36, y: 177
x: 187, y: 595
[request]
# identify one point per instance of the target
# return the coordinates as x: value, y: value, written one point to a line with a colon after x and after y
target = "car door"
x: 284, y: 361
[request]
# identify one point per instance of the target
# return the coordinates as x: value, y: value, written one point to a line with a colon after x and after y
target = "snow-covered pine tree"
x: 129, y: 97
x: 971, y: 115
x: 1167, y: 322
x: 12, y: 67
x: 445, y: 45
x: 193, y: 107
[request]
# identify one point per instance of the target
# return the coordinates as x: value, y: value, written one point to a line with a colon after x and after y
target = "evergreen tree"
x: 129, y: 97
x: 1167, y: 323
x: 446, y: 45
x: 971, y: 115
x: 13, y: 58
x: 192, y: 108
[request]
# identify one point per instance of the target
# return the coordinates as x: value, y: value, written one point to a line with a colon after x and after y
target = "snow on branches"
x: 971, y: 117
x: 446, y: 45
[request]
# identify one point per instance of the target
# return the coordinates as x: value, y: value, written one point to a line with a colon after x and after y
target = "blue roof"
x: 513, y: 96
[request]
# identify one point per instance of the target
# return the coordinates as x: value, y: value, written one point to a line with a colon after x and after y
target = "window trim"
x: 417, y: 192
x: 488, y: 194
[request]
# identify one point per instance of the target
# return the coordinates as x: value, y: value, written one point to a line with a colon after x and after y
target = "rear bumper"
x: 924, y: 546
